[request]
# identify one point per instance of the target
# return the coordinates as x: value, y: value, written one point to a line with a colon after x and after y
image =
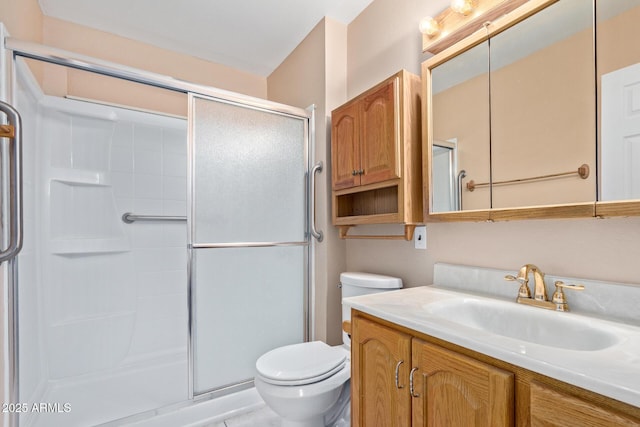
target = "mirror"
x: 460, y: 114
x: 542, y: 109
x: 521, y: 108
x: 618, y: 71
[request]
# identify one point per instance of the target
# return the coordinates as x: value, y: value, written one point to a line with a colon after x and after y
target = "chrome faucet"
x: 540, y: 298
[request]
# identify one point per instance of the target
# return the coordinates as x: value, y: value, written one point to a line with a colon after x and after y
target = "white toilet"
x: 307, y: 384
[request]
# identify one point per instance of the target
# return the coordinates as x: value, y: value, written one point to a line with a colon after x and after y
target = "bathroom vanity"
x: 435, y: 356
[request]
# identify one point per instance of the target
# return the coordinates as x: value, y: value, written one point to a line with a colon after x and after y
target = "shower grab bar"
x: 130, y: 218
x: 312, y: 204
x: 13, y: 131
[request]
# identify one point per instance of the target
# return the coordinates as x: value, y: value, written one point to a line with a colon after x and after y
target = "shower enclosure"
x: 161, y: 256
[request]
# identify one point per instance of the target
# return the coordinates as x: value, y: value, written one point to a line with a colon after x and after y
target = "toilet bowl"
x: 311, y: 392
x: 307, y: 384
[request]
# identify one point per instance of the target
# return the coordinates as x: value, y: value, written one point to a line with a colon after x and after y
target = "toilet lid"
x: 300, y: 364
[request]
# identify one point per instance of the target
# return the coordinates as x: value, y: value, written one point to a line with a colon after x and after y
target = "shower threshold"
x: 197, y: 413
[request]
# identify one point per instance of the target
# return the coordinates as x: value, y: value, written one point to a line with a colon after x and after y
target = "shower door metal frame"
x: 308, y: 118
x: 23, y: 49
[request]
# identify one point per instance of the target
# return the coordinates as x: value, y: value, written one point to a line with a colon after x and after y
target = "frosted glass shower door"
x: 248, y: 237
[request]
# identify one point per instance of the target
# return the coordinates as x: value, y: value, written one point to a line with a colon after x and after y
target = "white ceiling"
x: 250, y: 35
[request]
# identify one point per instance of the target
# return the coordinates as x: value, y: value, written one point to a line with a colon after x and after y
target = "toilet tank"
x: 355, y: 284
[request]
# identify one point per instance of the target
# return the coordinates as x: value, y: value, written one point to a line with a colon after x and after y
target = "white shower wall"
x: 103, y: 304
x: 120, y: 289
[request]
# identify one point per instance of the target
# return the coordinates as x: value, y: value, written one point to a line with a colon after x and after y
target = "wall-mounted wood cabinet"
x: 376, y: 155
x: 404, y: 378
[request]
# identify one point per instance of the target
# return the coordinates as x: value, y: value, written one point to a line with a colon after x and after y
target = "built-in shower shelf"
x: 80, y: 177
x: 89, y: 246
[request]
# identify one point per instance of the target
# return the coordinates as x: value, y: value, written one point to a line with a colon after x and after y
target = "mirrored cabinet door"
x: 539, y: 120
x: 562, y: 115
x: 460, y: 130
x: 618, y: 71
x: 543, y: 126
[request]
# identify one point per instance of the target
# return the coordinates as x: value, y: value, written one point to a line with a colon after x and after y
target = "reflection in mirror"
x: 460, y: 113
x: 445, y: 195
x: 542, y: 109
x: 618, y: 68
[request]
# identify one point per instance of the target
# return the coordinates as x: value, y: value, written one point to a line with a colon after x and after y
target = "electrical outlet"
x: 420, y: 237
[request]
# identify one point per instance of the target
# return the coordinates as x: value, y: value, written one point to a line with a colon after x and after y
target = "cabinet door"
x: 554, y: 408
x: 378, y: 353
x: 380, y: 139
x: 345, y: 147
x: 456, y: 390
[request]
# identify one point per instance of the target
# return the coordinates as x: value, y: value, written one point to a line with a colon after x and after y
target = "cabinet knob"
x: 354, y: 172
x: 361, y: 172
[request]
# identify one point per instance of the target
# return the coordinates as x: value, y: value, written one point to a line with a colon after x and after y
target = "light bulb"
x: 463, y: 7
x: 429, y: 26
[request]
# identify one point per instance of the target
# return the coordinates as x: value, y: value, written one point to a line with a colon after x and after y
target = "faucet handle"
x: 524, y: 291
x: 559, y: 298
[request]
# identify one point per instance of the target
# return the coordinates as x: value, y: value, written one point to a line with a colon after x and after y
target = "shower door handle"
x: 312, y: 208
x: 13, y: 132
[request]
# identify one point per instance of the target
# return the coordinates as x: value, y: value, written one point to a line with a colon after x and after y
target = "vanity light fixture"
x: 461, y: 19
x: 464, y: 7
x: 429, y: 26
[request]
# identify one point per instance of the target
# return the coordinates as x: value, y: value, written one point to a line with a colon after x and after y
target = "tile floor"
x: 262, y: 417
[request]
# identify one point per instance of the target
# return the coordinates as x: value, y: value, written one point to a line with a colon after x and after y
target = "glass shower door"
x: 248, y: 235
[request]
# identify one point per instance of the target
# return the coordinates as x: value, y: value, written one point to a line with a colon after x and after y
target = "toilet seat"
x: 300, y: 364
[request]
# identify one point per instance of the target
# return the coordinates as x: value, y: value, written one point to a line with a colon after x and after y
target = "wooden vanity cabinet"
x: 400, y: 380
x: 379, y: 354
x: 454, y: 386
x: 376, y: 151
x: 456, y: 390
x: 552, y: 407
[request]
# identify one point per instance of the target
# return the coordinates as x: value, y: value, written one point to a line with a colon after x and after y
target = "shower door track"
x: 69, y: 59
x: 48, y: 54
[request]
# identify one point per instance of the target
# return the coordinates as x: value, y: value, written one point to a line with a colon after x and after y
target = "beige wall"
x: 22, y: 18
x: 314, y: 73
x: 25, y: 21
x: 621, y: 30
x: 384, y: 38
x: 99, y: 44
x: 591, y: 248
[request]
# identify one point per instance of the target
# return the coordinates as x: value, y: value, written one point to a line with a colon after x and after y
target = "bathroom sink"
x: 534, y: 325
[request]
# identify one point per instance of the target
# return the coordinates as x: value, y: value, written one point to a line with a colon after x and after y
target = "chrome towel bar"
x: 129, y: 218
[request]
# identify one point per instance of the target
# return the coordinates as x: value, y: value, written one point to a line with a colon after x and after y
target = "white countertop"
x: 612, y: 371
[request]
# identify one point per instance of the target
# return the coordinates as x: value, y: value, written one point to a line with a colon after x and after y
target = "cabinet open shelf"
x: 380, y: 202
